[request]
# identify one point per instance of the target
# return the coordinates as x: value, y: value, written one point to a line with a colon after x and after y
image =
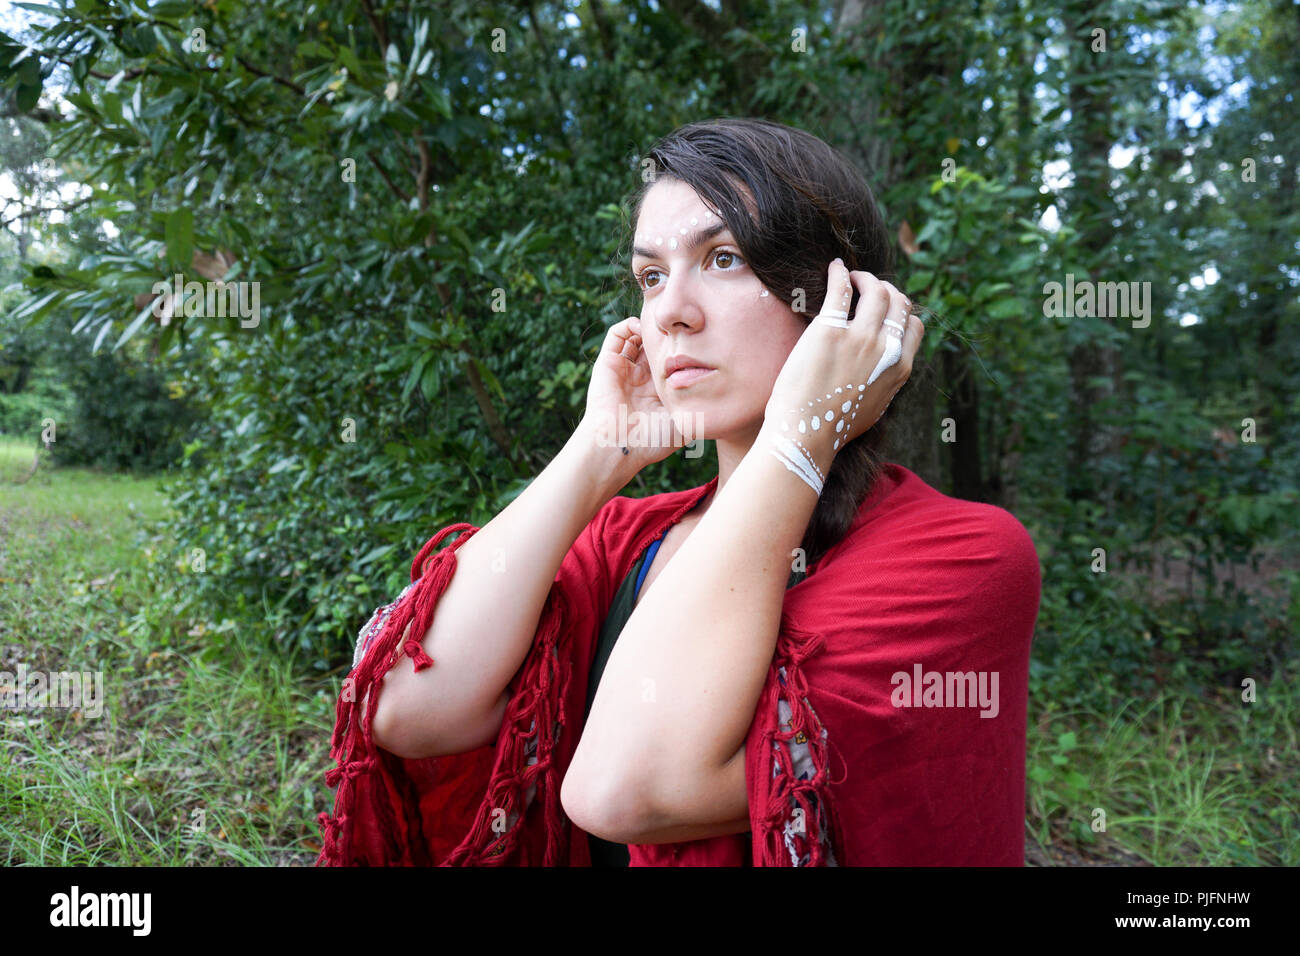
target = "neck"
x: 731, y: 450
x: 730, y: 453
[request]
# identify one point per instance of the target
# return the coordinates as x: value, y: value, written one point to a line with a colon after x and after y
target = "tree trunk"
x: 1091, y: 209
x: 913, y: 438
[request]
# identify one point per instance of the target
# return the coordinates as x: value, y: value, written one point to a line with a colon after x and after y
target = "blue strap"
x: 645, y: 565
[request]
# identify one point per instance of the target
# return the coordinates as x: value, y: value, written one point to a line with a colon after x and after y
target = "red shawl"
x: 870, y: 744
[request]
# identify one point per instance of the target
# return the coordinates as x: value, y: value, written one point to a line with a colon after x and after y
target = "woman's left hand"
x: 842, y: 374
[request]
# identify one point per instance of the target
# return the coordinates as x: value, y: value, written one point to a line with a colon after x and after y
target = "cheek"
x: 770, y: 338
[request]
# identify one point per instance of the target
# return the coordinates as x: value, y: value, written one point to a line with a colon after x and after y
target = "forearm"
x: 720, y: 808
x: 487, y: 616
x: 680, y: 690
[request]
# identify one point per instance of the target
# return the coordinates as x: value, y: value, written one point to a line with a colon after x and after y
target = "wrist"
x: 599, y: 460
x: 811, y: 452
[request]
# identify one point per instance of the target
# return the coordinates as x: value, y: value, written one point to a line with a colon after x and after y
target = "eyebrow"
x: 693, y: 239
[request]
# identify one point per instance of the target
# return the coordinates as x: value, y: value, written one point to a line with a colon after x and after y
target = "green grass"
x: 1181, y: 781
x: 209, y: 749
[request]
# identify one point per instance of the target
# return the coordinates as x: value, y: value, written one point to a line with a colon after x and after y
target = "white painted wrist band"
x: 794, y: 460
x: 795, y: 449
x: 810, y: 482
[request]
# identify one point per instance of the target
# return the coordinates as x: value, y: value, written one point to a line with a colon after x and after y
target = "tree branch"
x: 393, y: 187
x: 39, y: 115
x: 37, y: 210
x: 279, y: 79
x: 377, y: 25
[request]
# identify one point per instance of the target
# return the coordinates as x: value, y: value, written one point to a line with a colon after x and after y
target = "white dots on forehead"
x: 681, y: 230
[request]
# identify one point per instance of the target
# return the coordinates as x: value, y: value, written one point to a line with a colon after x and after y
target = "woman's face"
x: 702, y: 301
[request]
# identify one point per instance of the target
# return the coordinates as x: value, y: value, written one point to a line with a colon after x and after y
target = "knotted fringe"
x: 374, y: 785
x: 786, y: 792
x: 535, y: 711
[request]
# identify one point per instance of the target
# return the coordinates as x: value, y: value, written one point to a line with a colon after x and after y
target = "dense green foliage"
x: 431, y: 200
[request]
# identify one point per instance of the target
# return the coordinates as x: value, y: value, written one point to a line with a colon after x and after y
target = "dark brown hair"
x: 812, y: 206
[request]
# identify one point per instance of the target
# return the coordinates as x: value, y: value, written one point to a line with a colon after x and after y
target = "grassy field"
x: 208, y: 750
x: 211, y: 750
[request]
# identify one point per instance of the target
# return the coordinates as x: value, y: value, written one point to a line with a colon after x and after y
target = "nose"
x: 676, y: 306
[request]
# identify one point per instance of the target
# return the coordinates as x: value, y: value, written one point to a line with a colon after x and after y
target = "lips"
x: 677, y: 362
x: 682, y: 370
x: 686, y: 375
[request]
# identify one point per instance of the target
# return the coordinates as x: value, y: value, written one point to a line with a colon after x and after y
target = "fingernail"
x: 838, y: 260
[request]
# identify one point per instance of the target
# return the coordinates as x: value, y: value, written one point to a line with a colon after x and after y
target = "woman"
x: 813, y: 659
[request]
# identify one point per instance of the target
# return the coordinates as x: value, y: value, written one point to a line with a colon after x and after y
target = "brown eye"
x: 730, y: 256
x: 641, y: 278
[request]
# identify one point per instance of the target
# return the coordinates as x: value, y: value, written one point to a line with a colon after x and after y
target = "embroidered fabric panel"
x: 802, y: 761
x: 373, y: 626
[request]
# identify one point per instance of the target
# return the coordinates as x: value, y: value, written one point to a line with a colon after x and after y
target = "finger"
x: 621, y: 340
x: 904, y: 326
x: 912, y: 337
x: 875, y: 327
x: 839, y: 292
x: 873, y: 305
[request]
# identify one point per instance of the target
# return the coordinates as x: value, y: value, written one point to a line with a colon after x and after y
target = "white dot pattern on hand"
x: 795, y: 455
x: 847, y: 408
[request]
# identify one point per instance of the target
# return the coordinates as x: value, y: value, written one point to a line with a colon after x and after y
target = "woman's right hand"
x: 623, y: 407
